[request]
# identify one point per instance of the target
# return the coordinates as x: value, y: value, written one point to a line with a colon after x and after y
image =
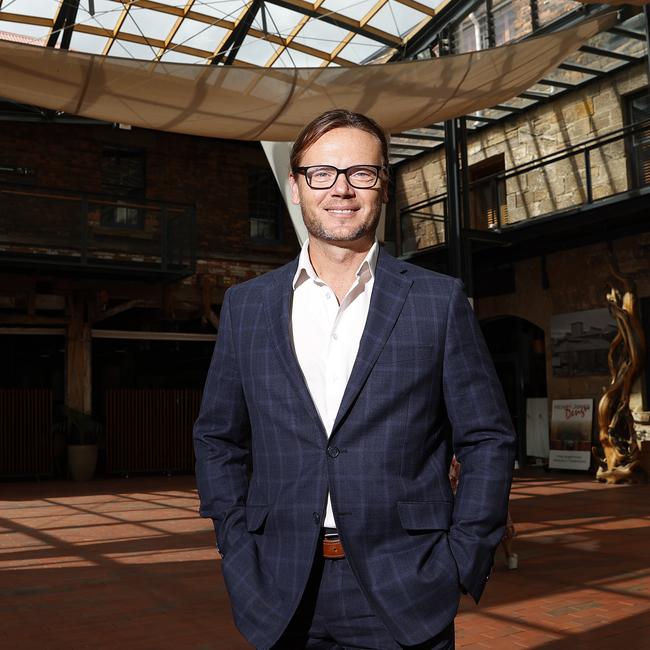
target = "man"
x: 347, y: 379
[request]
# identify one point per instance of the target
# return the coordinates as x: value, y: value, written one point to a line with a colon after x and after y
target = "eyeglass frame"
x: 303, y: 170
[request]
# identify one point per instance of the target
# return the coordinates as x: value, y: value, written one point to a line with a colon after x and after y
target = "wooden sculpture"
x: 625, y: 359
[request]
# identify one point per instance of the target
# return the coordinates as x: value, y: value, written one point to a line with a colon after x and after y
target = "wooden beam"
x: 118, y: 309
x: 32, y: 331
x: 151, y: 336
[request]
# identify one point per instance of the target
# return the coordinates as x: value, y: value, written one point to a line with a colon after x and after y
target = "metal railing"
x: 40, y: 226
x: 576, y: 176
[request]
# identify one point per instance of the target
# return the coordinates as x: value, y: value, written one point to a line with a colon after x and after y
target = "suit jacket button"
x: 316, y: 518
x: 333, y: 452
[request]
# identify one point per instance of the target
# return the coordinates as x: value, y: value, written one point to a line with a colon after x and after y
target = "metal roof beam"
x: 529, y: 94
x: 556, y: 83
x: 480, y: 118
x: 64, y: 24
x: 228, y: 50
x: 418, y: 136
x: 612, y: 54
x: 331, y: 17
x: 628, y: 33
x: 410, y: 147
x: 576, y: 67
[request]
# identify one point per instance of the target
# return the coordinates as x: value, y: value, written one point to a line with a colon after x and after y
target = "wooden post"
x: 78, y: 359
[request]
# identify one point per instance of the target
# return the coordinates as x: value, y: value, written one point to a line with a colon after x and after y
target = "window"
x: 472, y: 33
x: 638, y: 143
x: 487, y: 194
x: 123, y: 176
x: 504, y: 22
x: 265, y: 206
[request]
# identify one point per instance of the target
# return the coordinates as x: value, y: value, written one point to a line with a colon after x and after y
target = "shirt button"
x: 335, y: 336
x: 328, y: 295
x: 316, y: 518
x: 333, y: 452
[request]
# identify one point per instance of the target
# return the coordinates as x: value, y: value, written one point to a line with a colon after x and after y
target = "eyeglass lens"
x: 324, y: 176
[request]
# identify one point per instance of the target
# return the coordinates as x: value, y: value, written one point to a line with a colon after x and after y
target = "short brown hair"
x: 336, y: 119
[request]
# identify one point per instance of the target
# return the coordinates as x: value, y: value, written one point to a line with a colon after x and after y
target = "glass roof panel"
x: 352, y: 9
x: 619, y: 43
x: 88, y: 43
x: 171, y: 56
x: 294, y: 59
x: 256, y: 51
x: 396, y: 18
x: 226, y: 9
x: 491, y: 113
x: 171, y: 3
x: 106, y: 14
x: 127, y: 50
x: 321, y: 35
x: 635, y: 24
x: 279, y: 20
x: 360, y: 48
x: 595, y: 62
x: 567, y: 76
x: 43, y: 8
x: 30, y: 31
x: 152, y: 24
x: 544, y: 89
x: 199, y: 35
x: 520, y: 102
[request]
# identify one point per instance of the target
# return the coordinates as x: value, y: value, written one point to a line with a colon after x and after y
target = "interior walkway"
x: 126, y: 563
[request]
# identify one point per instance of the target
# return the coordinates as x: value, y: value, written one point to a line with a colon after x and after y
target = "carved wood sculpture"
x: 625, y: 359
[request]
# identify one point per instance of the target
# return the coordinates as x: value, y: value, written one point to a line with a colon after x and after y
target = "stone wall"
x: 570, y: 120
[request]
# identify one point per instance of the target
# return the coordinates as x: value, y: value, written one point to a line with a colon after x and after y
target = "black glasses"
x: 322, y: 177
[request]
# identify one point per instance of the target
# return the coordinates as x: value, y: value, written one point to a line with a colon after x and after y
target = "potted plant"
x: 82, y: 436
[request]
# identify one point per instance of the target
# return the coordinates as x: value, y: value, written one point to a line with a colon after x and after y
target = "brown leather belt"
x: 332, y: 547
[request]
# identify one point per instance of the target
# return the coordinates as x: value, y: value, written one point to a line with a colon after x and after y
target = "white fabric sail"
x: 249, y: 103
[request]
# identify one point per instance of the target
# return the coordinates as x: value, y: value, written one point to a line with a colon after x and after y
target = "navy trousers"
x: 334, y: 614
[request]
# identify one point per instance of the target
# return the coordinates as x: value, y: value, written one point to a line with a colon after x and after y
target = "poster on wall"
x: 580, y: 342
x: 571, y: 427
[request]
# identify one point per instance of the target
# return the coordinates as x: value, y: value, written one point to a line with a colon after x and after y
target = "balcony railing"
x: 580, y: 175
x: 43, y: 227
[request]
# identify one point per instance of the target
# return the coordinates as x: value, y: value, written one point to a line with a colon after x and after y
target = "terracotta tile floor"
x: 127, y: 564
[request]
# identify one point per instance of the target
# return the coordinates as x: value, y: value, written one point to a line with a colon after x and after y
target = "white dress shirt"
x: 326, y: 335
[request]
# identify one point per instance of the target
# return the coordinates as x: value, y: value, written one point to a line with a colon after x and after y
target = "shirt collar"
x: 306, y: 271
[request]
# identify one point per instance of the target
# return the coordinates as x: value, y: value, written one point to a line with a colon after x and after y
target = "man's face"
x: 341, y: 213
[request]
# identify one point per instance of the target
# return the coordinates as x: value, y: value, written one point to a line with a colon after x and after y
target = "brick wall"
x: 208, y: 173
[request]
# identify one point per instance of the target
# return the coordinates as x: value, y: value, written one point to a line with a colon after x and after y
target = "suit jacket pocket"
x: 256, y: 518
x: 425, y: 515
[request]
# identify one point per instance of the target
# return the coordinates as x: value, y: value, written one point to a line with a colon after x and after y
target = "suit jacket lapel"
x: 389, y: 292
x: 278, y: 311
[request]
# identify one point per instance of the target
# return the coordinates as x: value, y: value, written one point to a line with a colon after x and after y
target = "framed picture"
x: 580, y: 342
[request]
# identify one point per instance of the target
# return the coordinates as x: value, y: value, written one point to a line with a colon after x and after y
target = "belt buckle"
x: 332, y: 547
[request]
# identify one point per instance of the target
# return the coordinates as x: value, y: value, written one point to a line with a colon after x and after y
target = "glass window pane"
x: 356, y: 10
x: 87, y: 43
x: 45, y: 8
x: 549, y: 10
x: 512, y: 20
x: 471, y: 33
x: 396, y: 19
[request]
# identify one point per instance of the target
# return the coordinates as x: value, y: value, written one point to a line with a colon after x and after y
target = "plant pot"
x: 82, y: 460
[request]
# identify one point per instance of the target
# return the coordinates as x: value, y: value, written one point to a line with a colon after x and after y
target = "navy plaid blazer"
x: 422, y: 388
